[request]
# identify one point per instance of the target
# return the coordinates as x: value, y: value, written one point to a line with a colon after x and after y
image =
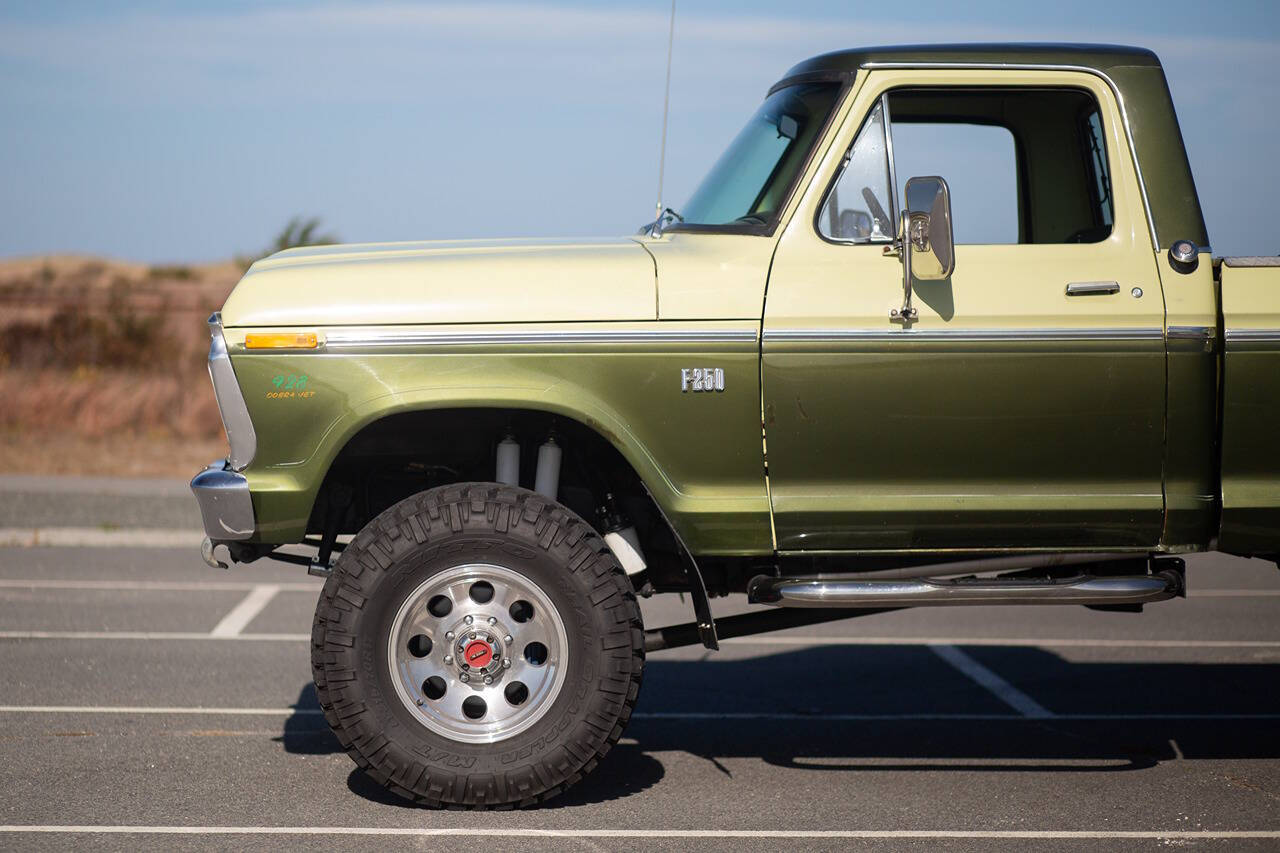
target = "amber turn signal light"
x: 281, y: 340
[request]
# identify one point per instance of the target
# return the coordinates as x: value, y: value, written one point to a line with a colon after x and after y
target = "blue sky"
x: 189, y: 132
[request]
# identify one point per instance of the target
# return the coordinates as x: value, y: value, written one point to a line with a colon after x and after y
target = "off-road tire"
x: 434, y: 531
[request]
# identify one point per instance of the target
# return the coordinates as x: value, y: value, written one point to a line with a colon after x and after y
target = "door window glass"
x: 980, y: 165
x: 1024, y: 165
x: 1099, y: 168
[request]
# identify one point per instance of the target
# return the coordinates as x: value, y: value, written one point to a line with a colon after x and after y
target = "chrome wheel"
x: 477, y: 653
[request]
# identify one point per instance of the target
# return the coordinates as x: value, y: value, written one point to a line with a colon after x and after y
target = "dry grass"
x: 102, y: 366
x: 115, y: 455
x: 97, y: 404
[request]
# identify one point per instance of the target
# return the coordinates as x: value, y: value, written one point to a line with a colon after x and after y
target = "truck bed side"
x: 1251, y: 406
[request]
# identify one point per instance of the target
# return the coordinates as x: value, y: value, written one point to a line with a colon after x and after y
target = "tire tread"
x: 433, y: 515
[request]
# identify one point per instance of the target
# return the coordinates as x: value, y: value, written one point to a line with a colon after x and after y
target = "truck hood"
x: 468, y: 281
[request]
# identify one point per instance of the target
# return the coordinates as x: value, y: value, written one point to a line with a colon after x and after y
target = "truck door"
x: 1024, y: 408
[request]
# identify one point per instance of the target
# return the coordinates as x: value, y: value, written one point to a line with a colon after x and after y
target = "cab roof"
x: 1133, y: 73
x: 1098, y: 57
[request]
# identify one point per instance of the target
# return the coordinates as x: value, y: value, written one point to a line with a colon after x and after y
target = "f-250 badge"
x: 701, y: 379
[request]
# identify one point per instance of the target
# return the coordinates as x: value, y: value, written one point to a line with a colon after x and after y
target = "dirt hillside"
x: 102, y: 366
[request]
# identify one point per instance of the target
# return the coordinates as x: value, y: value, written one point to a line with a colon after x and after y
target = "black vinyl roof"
x: 1100, y: 57
x: 1133, y: 72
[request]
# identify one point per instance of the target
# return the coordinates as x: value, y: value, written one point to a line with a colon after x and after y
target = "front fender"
x: 699, y: 453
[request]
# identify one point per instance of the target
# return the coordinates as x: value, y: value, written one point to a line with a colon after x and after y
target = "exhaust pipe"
x: 853, y: 593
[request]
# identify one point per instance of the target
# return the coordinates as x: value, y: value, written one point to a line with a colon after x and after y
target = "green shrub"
x: 299, y: 232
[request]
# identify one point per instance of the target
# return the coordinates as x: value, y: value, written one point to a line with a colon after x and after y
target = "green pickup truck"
x: 813, y: 384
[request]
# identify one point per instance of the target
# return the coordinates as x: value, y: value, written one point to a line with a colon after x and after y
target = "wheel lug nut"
x: 469, y: 619
x: 464, y: 677
x: 488, y: 679
x: 448, y: 635
x: 506, y: 663
x: 493, y: 620
x: 506, y: 639
x: 448, y: 658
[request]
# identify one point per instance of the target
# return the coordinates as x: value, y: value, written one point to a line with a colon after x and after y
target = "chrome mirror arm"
x: 902, y: 247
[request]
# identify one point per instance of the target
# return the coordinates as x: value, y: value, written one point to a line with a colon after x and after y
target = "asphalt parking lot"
x: 150, y: 702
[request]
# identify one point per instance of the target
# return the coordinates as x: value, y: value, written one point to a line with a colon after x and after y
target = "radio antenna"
x: 666, y: 101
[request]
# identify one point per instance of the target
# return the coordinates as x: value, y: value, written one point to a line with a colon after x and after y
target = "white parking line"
x: 150, y: 709
x: 148, y: 635
x: 693, y: 716
x: 1012, y: 642
x: 1001, y: 689
x: 242, y: 614
x: 153, y: 586
x: 98, y: 537
x: 75, y: 583
x: 520, y: 832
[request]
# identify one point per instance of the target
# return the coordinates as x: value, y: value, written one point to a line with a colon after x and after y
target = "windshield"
x: 749, y: 183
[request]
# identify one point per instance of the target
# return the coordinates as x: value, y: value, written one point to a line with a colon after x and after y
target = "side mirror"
x: 924, y: 239
x: 932, y: 247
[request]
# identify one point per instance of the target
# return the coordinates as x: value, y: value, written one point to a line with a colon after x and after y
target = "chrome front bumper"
x: 225, y: 504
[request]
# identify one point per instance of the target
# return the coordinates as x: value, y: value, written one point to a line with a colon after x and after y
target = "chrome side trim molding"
x: 958, y: 335
x: 1015, y: 66
x: 339, y: 340
x: 241, y: 436
x: 1192, y: 333
x: 1266, y: 335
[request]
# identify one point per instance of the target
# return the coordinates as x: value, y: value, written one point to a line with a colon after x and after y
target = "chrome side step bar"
x: 1165, y: 582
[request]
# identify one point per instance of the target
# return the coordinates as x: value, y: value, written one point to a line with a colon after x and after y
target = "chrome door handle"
x: 1086, y: 288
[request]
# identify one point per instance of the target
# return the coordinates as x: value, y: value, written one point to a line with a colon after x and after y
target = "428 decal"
x: 292, y: 385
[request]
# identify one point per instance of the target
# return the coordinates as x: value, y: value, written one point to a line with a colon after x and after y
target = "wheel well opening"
x: 406, y: 453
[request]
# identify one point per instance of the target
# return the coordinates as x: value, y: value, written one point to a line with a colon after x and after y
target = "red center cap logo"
x: 478, y: 654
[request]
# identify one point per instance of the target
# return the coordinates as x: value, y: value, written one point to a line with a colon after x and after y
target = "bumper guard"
x: 225, y: 504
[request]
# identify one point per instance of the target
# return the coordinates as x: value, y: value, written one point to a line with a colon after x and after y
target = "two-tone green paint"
x: 1250, y: 405
x: 1138, y: 80
x: 700, y: 454
x: 1192, y: 431
x: 1014, y: 418
x: 966, y: 444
